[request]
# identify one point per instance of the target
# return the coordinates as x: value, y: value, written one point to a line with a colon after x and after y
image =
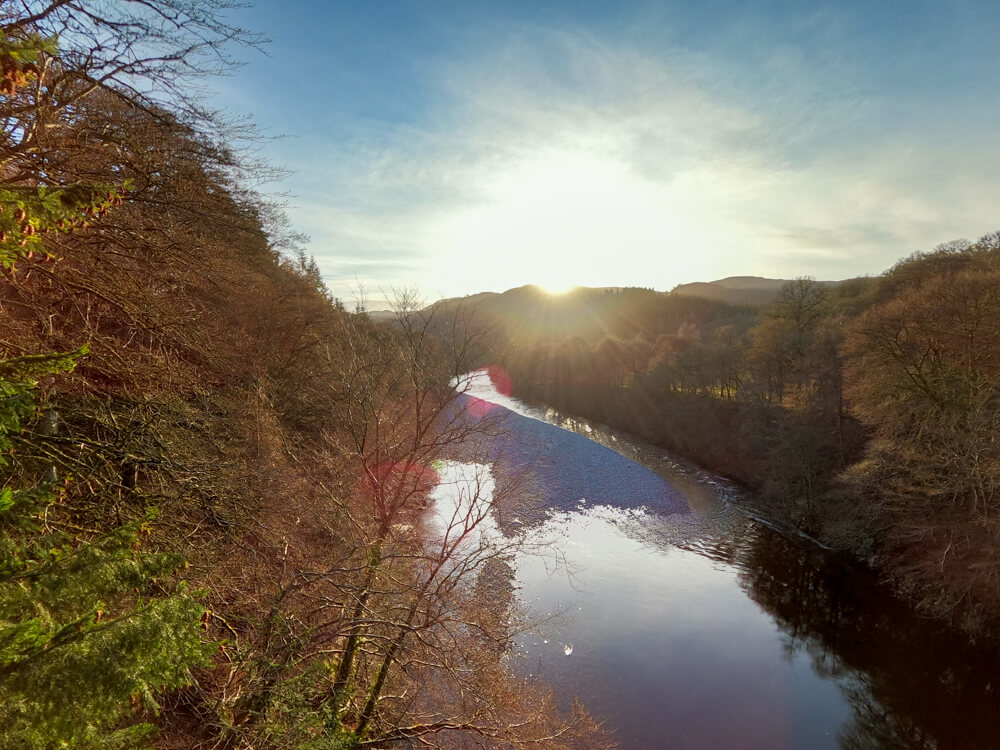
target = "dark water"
x: 682, y: 622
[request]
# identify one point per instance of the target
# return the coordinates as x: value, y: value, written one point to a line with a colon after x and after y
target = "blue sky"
x: 458, y: 147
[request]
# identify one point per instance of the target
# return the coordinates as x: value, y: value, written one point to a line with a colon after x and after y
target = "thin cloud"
x: 562, y: 152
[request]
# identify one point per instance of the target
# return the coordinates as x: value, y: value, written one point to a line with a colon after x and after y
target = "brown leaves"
x: 14, y: 73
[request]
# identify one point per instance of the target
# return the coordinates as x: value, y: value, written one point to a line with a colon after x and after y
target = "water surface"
x: 683, y: 622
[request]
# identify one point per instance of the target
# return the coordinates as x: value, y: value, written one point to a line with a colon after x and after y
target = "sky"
x: 460, y: 147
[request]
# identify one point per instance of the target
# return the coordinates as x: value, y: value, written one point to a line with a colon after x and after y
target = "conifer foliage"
x: 82, y: 635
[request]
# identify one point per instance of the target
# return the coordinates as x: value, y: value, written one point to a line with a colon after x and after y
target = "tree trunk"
x: 383, y: 672
x: 343, y: 675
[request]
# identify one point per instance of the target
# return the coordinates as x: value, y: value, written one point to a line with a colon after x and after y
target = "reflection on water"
x: 668, y: 648
x: 744, y: 640
x: 910, y: 683
x: 692, y: 625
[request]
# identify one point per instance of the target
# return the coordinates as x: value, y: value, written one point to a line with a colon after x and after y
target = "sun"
x: 557, y: 287
x: 566, y: 214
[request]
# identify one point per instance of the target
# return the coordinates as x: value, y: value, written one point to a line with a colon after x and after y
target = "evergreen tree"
x: 91, y: 625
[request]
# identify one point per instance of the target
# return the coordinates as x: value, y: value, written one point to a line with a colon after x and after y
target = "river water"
x: 681, y: 621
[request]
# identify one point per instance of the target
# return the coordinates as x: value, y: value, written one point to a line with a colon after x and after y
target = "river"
x: 682, y: 621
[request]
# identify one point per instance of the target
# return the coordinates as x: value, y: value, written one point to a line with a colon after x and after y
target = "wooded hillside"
x: 212, y: 477
x: 865, y: 412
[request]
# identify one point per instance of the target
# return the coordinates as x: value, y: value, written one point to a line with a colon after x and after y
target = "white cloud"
x: 558, y: 154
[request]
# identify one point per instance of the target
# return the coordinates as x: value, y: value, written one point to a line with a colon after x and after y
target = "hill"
x: 528, y: 315
x: 863, y: 412
x: 738, y: 290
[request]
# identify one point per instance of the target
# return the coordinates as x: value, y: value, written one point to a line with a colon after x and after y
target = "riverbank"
x: 843, y: 512
x: 720, y: 437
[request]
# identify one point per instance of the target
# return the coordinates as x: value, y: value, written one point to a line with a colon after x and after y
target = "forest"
x: 864, y: 413
x: 212, y: 475
x: 214, y: 478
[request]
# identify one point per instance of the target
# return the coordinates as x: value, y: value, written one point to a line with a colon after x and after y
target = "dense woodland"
x: 213, y: 477
x: 211, y: 474
x: 865, y: 413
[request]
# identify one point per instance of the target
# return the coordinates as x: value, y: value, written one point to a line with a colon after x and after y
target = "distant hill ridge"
x: 734, y: 290
x: 737, y: 290
x: 530, y: 301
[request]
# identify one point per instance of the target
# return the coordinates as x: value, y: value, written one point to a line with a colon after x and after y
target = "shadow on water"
x: 910, y: 682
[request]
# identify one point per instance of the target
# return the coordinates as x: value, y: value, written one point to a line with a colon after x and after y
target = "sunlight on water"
x: 464, y: 490
x: 480, y: 385
x: 461, y: 515
x: 663, y: 639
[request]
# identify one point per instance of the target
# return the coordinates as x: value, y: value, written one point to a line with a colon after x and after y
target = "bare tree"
x: 923, y: 370
x: 150, y: 53
x: 402, y: 412
x: 410, y: 609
